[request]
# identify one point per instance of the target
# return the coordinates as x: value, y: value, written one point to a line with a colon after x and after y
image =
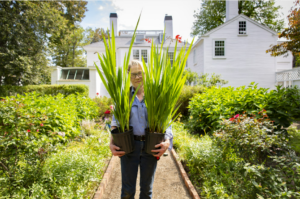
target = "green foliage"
x: 187, y: 93
x: 218, y: 171
x: 75, y: 171
x: 117, y: 83
x: 190, y: 76
x: 213, y: 13
x: 208, y: 109
x: 210, y: 80
x: 295, y: 139
x: 64, y: 89
x: 161, y: 91
x: 104, y: 104
x: 30, y: 127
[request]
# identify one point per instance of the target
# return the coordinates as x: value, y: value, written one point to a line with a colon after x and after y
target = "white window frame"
x: 239, y: 34
x: 171, y: 60
x: 213, y: 44
x: 140, y: 54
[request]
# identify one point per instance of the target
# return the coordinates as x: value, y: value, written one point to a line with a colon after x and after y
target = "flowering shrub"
x: 104, y: 105
x: 30, y: 127
x: 208, y: 109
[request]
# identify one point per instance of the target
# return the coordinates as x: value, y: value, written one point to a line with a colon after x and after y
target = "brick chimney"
x: 232, y: 9
x: 113, y: 19
x: 169, y: 26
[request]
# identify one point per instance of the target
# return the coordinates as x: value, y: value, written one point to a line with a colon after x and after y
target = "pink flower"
x: 37, y: 130
x: 236, y: 116
x: 112, y: 107
x: 42, y: 124
x: 231, y: 119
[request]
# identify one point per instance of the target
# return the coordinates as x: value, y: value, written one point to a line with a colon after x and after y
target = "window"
x: 144, y: 55
x: 171, y: 55
x: 219, y: 49
x: 140, y: 38
x: 194, y: 56
x: 75, y: 74
x: 242, y: 27
x: 136, y: 54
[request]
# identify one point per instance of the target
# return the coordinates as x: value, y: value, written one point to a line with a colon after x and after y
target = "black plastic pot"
x: 124, y: 140
x: 153, y: 139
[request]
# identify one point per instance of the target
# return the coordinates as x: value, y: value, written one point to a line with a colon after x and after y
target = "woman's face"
x: 136, y: 75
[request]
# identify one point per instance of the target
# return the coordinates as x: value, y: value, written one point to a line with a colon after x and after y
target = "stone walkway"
x: 168, y: 183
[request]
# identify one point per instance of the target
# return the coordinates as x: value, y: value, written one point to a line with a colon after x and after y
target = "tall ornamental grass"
x: 163, y: 84
x: 117, y: 83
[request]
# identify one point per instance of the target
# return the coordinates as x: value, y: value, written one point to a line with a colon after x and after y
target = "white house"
x: 237, y: 51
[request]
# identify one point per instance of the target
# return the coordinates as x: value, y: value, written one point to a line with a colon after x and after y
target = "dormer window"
x: 139, y: 39
x: 242, y: 28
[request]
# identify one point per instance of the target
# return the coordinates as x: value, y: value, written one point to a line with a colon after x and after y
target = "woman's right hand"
x: 114, y: 150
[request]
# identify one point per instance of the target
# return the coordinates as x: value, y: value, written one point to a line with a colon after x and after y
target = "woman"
x: 131, y: 161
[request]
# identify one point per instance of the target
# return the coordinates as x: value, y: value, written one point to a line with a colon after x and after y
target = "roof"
x: 230, y: 21
x: 113, y: 15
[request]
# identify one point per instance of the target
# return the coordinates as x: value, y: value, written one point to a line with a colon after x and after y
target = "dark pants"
x: 129, y: 169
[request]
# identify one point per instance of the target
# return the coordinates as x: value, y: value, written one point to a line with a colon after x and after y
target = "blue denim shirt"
x: 139, y: 120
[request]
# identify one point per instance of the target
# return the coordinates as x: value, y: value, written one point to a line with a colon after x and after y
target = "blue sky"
x: 153, y: 12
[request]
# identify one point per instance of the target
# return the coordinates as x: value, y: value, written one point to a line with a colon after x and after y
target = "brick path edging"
x: 104, y: 182
x: 185, y: 177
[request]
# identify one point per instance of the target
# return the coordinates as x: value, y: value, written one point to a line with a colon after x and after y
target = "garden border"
x: 104, y: 182
x: 185, y: 177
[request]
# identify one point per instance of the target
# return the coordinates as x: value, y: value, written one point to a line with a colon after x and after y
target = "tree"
x: 98, y: 34
x: 25, y: 27
x: 66, y: 45
x: 212, y: 14
x: 292, y: 34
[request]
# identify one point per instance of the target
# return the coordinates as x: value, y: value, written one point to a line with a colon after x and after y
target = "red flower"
x: 231, y: 119
x: 97, y: 93
x: 178, y: 38
x: 157, y: 158
x: 148, y: 40
x: 28, y: 130
x: 42, y: 124
x: 236, y: 116
x: 107, y: 112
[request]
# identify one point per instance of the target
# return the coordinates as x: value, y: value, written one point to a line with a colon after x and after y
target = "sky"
x: 153, y: 13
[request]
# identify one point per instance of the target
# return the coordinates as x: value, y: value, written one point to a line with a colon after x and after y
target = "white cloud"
x: 100, y: 8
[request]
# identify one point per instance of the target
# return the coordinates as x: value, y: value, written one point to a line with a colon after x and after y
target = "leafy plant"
x: 104, y: 103
x: 117, y: 83
x: 161, y: 91
x: 208, y: 109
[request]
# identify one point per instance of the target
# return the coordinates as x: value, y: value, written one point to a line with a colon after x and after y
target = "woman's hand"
x: 114, y: 150
x: 163, y: 147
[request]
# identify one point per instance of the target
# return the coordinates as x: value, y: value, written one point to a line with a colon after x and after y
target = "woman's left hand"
x: 163, y: 147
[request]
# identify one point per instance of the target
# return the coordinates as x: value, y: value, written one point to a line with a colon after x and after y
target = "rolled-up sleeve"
x: 169, y: 135
x: 114, y: 122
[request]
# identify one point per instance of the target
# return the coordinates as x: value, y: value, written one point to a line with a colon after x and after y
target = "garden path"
x: 168, y: 182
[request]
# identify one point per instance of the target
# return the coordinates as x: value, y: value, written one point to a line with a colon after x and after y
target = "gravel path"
x: 168, y: 183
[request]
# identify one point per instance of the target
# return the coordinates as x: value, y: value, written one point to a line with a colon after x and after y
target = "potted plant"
x: 117, y: 83
x: 161, y: 91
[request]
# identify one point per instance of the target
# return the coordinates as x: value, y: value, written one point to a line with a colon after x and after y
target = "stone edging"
x: 185, y: 177
x: 104, y: 182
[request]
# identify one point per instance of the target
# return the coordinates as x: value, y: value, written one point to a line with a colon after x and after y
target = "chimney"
x: 232, y: 9
x: 168, y: 26
x: 113, y: 19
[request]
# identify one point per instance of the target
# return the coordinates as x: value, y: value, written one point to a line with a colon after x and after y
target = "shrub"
x: 64, y: 89
x: 208, y: 109
x: 30, y: 127
x: 295, y: 139
x: 186, y: 95
x: 104, y: 103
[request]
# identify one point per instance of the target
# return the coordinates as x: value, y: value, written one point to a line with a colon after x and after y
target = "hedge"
x: 9, y: 90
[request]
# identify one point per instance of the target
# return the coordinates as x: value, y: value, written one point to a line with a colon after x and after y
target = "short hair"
x: 135, y: 62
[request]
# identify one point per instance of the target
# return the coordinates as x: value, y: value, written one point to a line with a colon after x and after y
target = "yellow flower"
x: 191, y: 117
